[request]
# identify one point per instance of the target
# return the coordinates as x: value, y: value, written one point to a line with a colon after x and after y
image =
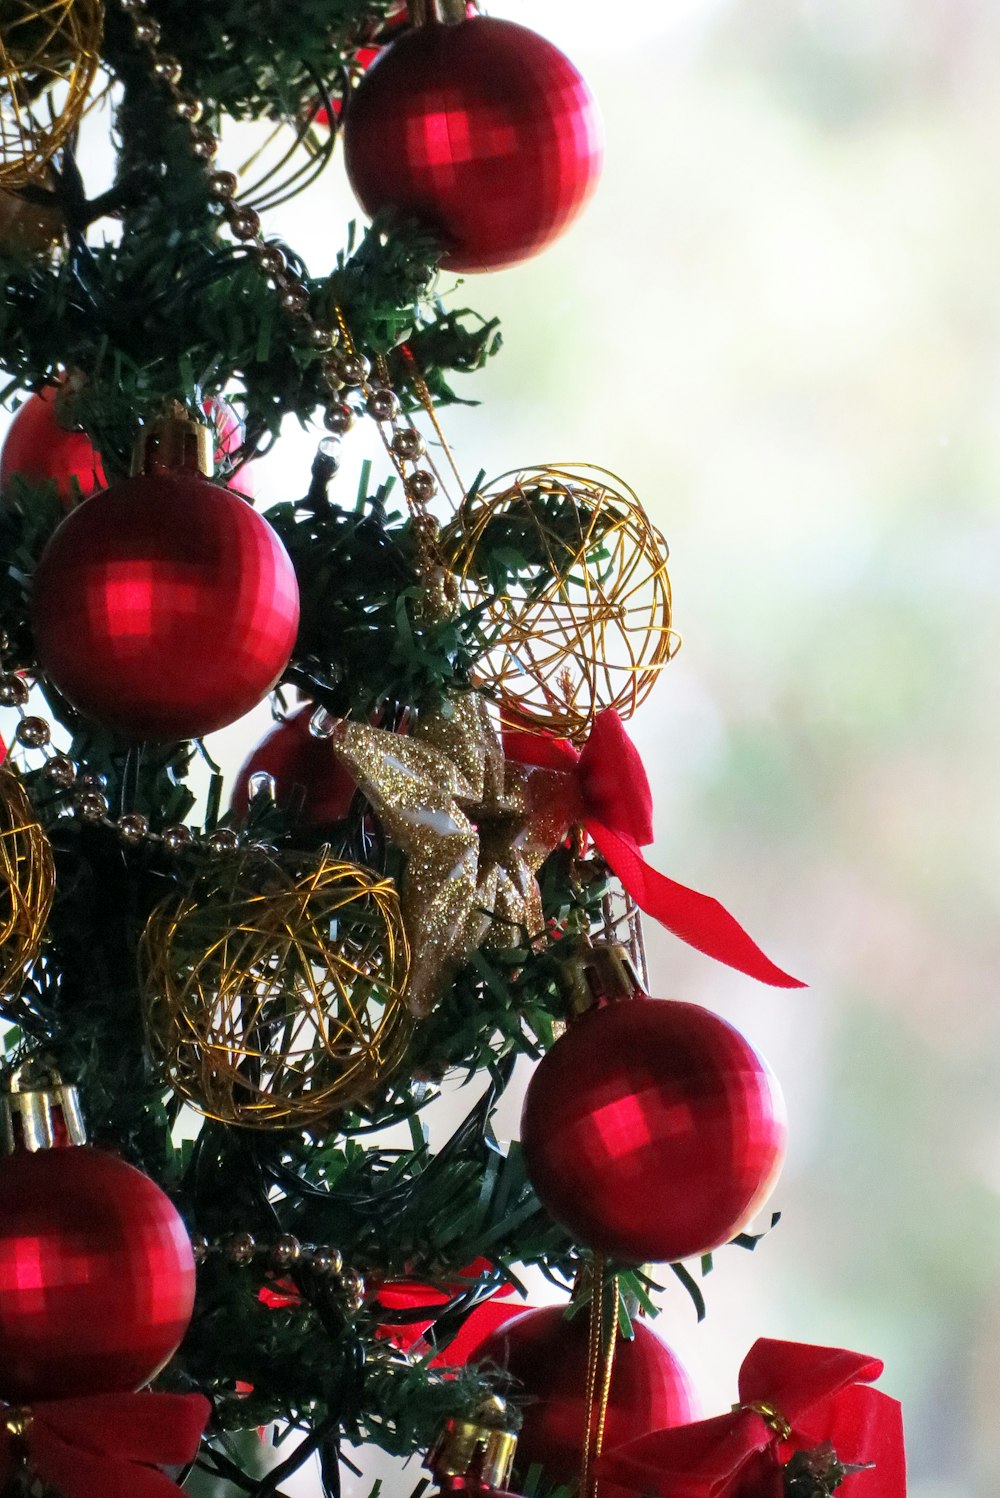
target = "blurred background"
x: 779, y: 321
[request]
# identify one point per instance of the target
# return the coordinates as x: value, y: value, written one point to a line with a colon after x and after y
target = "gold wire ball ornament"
x: 27, y: 884
x: 578, y: 616
x: 274, y: 994
x: 49, y: 55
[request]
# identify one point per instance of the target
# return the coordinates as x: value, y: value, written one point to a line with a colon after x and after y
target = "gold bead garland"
x: 84, y: 793
x: 49, y: 56
x: 285, y: 1253
x: 274, y: 992
x: 27, y: 884
x: 589, y: 626
x: 345, y: 369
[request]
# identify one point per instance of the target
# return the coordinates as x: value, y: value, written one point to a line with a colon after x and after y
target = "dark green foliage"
x: 28, y: 516
x: 164, y: 316
x: 534, y: 537
x: 364, y: 640
x: 404, y: 1212
x: 168, y: 308
x: 815, y: 1474
x: 265, y: 58
x: 150, y: 302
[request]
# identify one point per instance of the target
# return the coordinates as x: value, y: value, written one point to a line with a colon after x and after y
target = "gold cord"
x: 601, y: 1345
x: 427, y: 401
x: 594, y: 1346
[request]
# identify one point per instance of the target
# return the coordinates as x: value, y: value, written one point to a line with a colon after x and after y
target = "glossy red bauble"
x: 165, y: 611
x: 652, y: 1130
x: 546, y: 1358
x: 43, y: 451
x: 308, y: 776
x: 483, y: 132
x: 96, y: 1275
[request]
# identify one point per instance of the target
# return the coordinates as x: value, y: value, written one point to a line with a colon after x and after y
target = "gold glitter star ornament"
x: 474, y: 826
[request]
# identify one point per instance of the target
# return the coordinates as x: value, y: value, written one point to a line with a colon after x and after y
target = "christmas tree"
x: 250, y: 993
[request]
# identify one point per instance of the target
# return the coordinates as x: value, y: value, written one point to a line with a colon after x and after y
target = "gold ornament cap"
x: 480, y: 1446
x: 38, y: 1110
x: 174, y: 442
x: 602, y: 970
x: 427, y: 12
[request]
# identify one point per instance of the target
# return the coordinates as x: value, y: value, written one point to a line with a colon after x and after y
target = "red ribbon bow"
x: 793, y: 1397
x: 104, y: 1445
x: 607, y: 792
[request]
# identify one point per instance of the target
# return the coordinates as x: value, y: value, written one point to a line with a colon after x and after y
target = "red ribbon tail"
x: 696, y: 919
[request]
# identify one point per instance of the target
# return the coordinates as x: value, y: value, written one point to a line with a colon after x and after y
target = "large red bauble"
x: 482, y: 131
x: 546, y: 1357
x: 42, y: 451
x: 304, y: 768
x: 166, y: 610
x: 96, y: 1275
x: 652, y: 1130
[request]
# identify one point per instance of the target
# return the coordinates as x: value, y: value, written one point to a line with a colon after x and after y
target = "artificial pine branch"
x: 165, y: 308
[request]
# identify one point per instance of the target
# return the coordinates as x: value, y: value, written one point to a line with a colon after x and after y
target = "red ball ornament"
x: 652, y: 1131
x: 41, y: 450
x: 305, y: 770
x: 482, y: 131
x: 546, y: 1358
x: 97, y: 1275
x: 166, y: 610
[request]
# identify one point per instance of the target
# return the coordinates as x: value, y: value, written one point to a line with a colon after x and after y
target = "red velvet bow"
x: 104, y: 1445
x: 792, y: 1398
x: 606, y: 791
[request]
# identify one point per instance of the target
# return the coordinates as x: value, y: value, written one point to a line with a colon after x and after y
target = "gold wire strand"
x: 49, y: 57
x: 599, y: 631
x: 265, y: 145
x: 27, y: 887
x: 276, y: 996
x: 427, y: 401
x: 382, y: 365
